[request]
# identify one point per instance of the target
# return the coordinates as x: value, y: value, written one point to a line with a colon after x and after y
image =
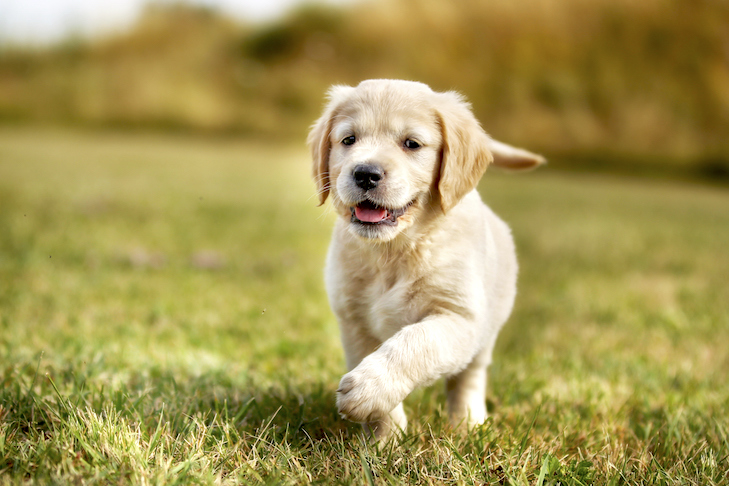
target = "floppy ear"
x: 320, y: 146
x: 513, y: 158
x: 320, y: 143
x: 465, y: 153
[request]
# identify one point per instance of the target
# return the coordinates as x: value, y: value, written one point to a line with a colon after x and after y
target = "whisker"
x: 318, y: 193
x: 321, y: 176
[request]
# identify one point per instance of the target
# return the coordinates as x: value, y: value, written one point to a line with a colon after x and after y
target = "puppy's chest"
x: 388, y: 304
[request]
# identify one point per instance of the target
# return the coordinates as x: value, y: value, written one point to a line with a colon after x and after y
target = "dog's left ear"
x: 468, y: 150
x: 319, y: 141
x: 465, y: 154
x: 513, y: 158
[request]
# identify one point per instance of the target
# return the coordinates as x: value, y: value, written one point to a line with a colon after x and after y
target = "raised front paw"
x: 369, y: 392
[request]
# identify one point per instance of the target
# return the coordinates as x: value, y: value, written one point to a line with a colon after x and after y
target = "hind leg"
x: 466, y: 392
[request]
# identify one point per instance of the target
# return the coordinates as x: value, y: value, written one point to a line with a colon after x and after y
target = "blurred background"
x: 616, y: 85
x: 161, y: 248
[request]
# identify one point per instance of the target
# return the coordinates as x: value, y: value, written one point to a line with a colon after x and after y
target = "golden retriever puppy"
x: 421, y: 274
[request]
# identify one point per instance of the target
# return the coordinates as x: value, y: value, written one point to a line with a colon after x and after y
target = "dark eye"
x: 349, y: 140
x: 411, y: 144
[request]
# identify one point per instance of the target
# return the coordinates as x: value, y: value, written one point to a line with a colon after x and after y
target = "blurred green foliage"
x: 642, y: 80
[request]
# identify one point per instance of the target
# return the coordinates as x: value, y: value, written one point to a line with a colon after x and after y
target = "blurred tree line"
x: 601, y: 81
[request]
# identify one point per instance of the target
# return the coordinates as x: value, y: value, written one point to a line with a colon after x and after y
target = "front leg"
x: 370, y: 391
x: 358, y: 344
x: 416, y: 355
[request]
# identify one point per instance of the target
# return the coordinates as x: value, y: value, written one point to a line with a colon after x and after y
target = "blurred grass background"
x: 162, y: 311
x: 598, y: 85
x: 163, y: 321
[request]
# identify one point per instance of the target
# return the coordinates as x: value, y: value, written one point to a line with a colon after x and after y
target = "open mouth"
x: 369, y: 213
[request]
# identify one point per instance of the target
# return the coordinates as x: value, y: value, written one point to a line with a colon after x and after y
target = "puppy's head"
x: 388, y: 151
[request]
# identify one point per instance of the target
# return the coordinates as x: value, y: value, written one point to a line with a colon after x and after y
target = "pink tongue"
x: 368, y: 215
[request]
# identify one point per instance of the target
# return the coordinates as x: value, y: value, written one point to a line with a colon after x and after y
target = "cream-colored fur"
x: 423, y: 293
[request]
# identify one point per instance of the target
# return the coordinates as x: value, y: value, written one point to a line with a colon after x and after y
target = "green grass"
x: 163, y: 321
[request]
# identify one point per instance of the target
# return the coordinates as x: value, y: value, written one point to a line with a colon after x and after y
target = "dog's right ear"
x: 320, y: 143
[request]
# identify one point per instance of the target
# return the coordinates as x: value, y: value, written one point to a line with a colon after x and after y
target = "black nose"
x: 368, y: 176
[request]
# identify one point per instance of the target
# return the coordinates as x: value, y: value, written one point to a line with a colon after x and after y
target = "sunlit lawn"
x: 163, y: 320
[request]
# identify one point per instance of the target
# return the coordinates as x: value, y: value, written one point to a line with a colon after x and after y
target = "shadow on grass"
x: 35, y: 402
x: 85, y: 421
